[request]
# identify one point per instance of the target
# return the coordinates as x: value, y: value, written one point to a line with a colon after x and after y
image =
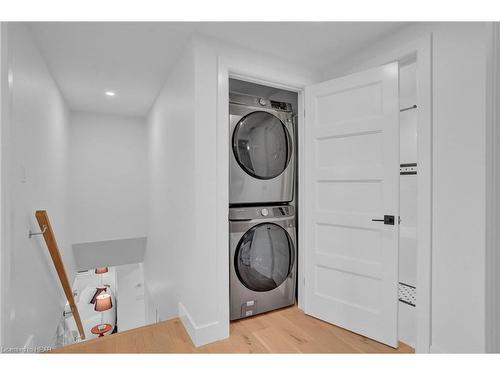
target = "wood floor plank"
x: 286, y: 330
x: 324, y: 340
x: 244, y: 340
x: 275, y: 341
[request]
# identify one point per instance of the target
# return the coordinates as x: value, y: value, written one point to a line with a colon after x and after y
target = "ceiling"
x: 312, y: 44
x: 88, y: 58
x: 133, y: 59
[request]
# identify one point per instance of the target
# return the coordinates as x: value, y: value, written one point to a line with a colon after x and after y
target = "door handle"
x: 387, y: 220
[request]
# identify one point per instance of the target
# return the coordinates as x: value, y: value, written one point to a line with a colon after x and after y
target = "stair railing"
x: 50, y: 240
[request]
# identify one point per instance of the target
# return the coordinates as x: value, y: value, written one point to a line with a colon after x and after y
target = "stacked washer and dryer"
x: 263, y: 251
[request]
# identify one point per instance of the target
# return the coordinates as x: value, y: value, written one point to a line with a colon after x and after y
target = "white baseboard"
x: 201, y: 334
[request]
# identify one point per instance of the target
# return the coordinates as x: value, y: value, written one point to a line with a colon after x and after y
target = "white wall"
x: 458, y: 243
x: 109, y: 253
x: 130, y: 311
x: 171, y: 253
x: 36, y: 152
x: 108, y: 179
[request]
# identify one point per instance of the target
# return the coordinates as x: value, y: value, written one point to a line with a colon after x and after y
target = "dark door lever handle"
x: 387, y: 220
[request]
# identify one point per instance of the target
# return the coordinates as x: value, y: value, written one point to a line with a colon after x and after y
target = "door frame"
x: 421, y: 49
x: 235, y: 68
x: 5, y: 234
x: 492, y: 265
x: 2, y: 168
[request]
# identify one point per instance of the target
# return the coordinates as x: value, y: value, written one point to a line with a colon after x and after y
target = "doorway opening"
x: 263, y: 194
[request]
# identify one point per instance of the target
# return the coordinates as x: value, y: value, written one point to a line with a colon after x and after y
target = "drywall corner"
x: 170, y: 256
x: 201, y: 334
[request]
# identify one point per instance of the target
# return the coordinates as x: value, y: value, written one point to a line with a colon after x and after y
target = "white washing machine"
x: 262, y: 161
x: 262, y: 259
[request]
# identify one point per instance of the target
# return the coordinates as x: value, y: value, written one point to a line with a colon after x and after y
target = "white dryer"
x: 262, y: 161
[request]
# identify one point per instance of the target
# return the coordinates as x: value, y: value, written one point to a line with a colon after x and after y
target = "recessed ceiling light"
x: 110, y: 93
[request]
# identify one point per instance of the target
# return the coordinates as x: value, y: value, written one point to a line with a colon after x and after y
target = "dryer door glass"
x: 264, y: 257
x: 262, y: 145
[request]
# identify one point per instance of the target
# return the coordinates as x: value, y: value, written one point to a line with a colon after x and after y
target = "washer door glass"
x: 264, y: 257
x: 261, y: 145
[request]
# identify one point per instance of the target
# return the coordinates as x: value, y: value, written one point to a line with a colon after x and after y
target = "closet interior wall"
x: 408, y: 204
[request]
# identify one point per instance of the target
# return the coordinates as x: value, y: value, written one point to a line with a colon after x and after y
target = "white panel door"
x: 352, y: 177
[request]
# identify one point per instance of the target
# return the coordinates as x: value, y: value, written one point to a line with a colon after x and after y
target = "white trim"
x: 5, y: 234
x: 200, y: 334
x: 240, y: 75
x: 222, y: 199
x: 2, y: 46
x: 496, y: 243
x: 301, y: 272
x: 425, y: 192
x: 492, y: 258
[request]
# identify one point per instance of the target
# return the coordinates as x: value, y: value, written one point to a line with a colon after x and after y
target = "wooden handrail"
x: 50, y: 240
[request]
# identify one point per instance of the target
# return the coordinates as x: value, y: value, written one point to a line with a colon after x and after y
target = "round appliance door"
x: 264, y: 257
x: 262, y: 145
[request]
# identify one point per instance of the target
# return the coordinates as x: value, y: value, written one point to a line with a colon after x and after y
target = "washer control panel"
x: 249, y: 213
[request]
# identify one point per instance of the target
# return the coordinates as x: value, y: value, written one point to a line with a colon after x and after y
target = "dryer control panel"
x: 255, y: 101
x: 281, y: 106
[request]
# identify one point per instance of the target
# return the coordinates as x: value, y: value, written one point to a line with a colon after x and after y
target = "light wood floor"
x: 287, y: 330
